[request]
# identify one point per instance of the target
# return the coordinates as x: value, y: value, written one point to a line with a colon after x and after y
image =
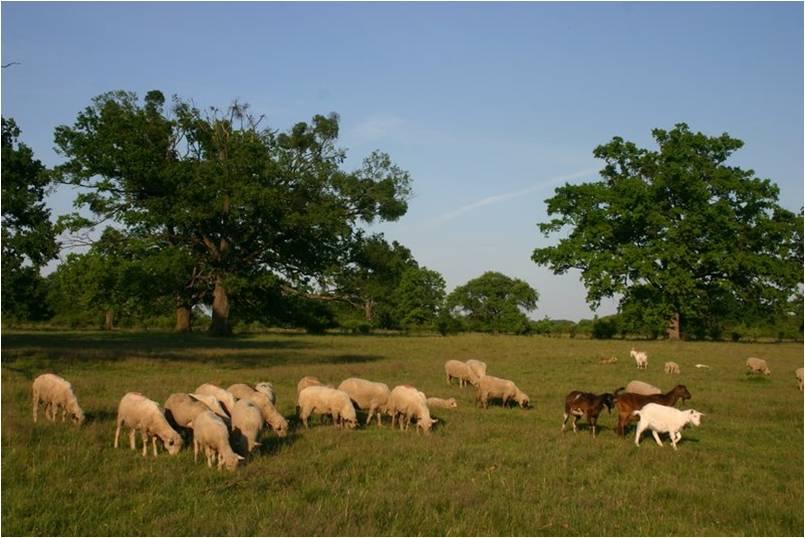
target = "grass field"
x: 481, y: 472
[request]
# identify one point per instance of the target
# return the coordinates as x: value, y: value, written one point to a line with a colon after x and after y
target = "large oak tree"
x: 680, y: 235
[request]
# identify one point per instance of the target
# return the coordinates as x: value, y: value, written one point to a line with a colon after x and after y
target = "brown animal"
x: 608, y: 360
x: 579, y: 404
x: 627, y: 402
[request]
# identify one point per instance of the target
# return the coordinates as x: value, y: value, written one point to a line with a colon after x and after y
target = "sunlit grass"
x: 493, y: 472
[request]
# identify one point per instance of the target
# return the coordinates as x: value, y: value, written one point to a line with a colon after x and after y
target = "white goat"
x: 640, y: 358
x: 662, y: 418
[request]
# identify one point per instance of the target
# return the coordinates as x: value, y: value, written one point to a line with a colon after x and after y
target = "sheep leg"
x: 591, y: 421
x: 640, y: 428
x: 657, y: 437
x: 63, y: 414
x: 132, y: 440
x: 117, y: 433
x: 36, y: 404
x: 154, y: 439
x: 145, y: 442
x: 195, y: 450
x: 564, y: 420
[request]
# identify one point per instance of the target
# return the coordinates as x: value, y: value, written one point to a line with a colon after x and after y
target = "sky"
x: 489, y: 106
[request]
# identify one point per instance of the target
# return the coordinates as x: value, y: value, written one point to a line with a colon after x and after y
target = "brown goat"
x: 579, y: 404
x: 628, y: 402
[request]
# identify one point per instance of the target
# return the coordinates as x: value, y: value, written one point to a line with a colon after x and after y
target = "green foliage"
x: 419, y: 297
x: 678, y: 231
x: 493, y: 302
x: 28, y: 236
x: 605, y: 328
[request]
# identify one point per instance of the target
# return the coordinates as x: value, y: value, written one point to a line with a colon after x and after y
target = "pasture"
x: 481, y: 472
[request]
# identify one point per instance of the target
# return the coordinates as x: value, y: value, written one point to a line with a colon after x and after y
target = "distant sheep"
x: 459, y: 370
x: 608, y: 360
x: 671, y: 367
x: 757, y: 366
x: 504, y: 389
x: 798, y: 375
x: 143, y: 415
x: 211, y: 435
x: 57, y: 395
x: 662, y: 418
x: 702, y: 366
x: 270, y: 414
x: 449, y: 403
x: 247, y: 422
x: 405, y: 403
x: 640, y: 387
x: 324, y: 400
x: 640, y: 358
x: 224, y: 396
x: 367, y: 395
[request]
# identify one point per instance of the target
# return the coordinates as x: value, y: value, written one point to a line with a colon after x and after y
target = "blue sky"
x: 489, y: 105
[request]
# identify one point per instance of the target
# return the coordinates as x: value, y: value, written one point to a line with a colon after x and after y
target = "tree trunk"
x: 369, y: 310
x: 108, y: 323
x: 672, y: 331
x: 220, y: 310
x: 182, y: 317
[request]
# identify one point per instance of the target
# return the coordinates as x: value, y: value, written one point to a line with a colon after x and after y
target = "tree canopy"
x: 678, y: 233
x: 494, y: 302
x: 243, y: 200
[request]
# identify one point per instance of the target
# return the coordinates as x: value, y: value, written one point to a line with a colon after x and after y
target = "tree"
x: 243, y: 200
x: 28, y: 236
x: 680, y: 235
x: 419, y: 297
x: 494, y: 302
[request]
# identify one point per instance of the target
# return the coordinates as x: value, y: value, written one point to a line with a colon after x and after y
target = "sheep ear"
x: 240, y: 458
x: 190, y: 424
x: 434, y: 420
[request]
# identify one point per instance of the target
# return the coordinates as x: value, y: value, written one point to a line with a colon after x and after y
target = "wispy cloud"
x: 377, y: 127
x: 498, y: 198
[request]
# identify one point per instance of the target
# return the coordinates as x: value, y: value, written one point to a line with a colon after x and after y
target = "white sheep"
x: 247, y: 422
x: 406, y: 402
x: 307, y: 381
x: 211, y: 434
x: 268, y: 389
x: 224, y: 396
x: 324, y: 400
x: 662, y: 418
x: 143, y: 415
x: 671, y: 367
x: 640, y: 358
x: 181, y: 409
x: 57, y: 394
x: 367, y: 395
x: 459, y: 370
x: 640, y: 387
x: 449, y: 403
x: 756, y: 365
x: 495, y: 387
x: 212, y: 404
x: 798, y: 375
x: 270, y: 414
x: 702, y: 365
x: 477, y: 367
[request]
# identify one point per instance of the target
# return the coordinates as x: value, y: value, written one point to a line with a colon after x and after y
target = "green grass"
x: 481, y: 472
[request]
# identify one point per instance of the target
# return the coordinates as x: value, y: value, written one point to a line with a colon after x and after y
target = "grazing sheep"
x: 367, y: 395
x: 181, y: 409
x: 143, y: 415
x: 662, y: 418
x: 323, y: 400
x: 268, y: 389
x: 579, y: 404
x: 449, y: 403
x: 640, y: 387
x: 628, y: 402
x: 226, y: 398
x: 212, y: 404
x: 608, y: 360
x: 405, y: 403
x: 671, y: 367
x: 798, y: 375
x: 476, y: 367
x: 57, y: 394
x: 757, y: 366
x: 459, y: 370
x: 270, y: 414
x: 702, y: 366
x: 308, y: 381
x: 495, y: 387
x: 211, y: 434
x: 640, y: 358
x: 247, y: 422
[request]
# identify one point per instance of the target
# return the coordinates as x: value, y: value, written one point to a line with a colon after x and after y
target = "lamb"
x: 662, y: 418
x: 181, y: 409
x: 798, y: 375
x: 640, y: 358
x: 756, y: 365
x: 317, y: 399
x: 406, y: 402
x: 671, y: 367
x: 579, y: 404
x: 640, y: 387
x: 224, y: 396
x: 476, y: 367
x: 143, y: 415
x: 247, y: 421
x: 495, y: 387
x: 459, y: 370
x: 57, y: 394
x: 270, y: 414
x: 211, y: 434
x: 268, y: 389
x: 367, y: 395
x: 449, y: 403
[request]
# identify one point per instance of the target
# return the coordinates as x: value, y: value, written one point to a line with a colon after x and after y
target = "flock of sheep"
x: 226, y: 423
